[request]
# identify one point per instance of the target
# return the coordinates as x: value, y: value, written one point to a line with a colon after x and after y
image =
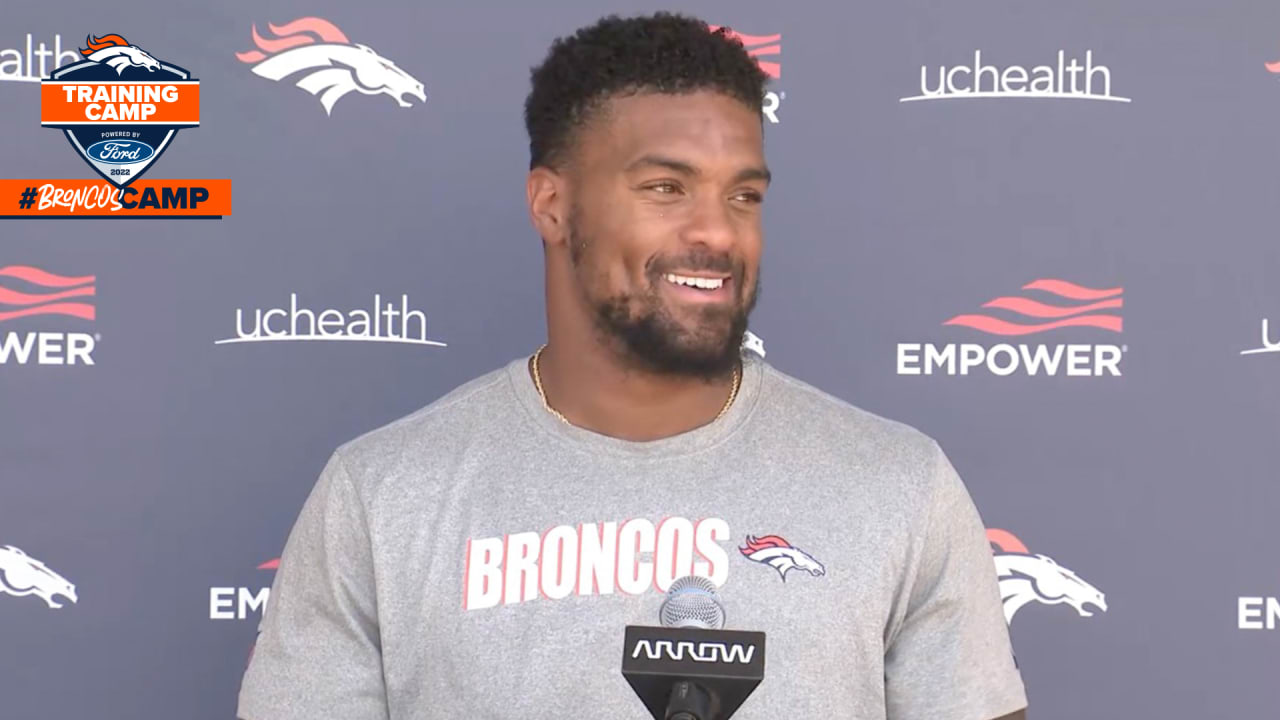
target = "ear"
x: 546, y: 194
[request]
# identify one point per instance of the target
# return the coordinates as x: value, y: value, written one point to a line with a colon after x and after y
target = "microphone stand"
x: 690, y: 701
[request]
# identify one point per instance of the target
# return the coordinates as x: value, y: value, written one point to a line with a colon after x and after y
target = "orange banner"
x: 101, y: 199
x: 128, y: 103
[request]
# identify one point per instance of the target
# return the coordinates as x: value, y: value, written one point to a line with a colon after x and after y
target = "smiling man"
x: 481, y: 557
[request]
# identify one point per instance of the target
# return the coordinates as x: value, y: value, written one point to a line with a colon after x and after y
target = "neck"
x: 595, y: 390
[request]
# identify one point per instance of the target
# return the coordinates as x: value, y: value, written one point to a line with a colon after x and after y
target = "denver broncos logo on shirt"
x: 781, y: 555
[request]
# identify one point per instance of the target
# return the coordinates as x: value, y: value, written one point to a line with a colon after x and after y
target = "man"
x: 481, y: 557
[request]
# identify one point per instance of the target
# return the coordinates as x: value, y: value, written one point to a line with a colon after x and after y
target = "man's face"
x: 665, y: 226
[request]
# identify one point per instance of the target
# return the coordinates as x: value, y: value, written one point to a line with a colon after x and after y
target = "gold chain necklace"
x: 537, y: 382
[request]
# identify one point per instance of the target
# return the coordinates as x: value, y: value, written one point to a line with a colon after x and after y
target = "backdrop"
x: 1043, y: 233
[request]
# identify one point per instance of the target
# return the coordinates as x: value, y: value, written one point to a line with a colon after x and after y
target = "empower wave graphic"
x: 1044, y: 316
x: 54, y: 295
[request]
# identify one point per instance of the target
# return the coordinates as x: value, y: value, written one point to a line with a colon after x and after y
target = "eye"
x: 664, y: 188
x: 749, y: 196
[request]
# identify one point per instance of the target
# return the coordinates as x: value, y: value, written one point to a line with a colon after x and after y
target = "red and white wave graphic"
x: 303, y: 31
x: 1273, y: 66
x: 1072, y: 306
x: 758, y: 45
x: 43, y: 293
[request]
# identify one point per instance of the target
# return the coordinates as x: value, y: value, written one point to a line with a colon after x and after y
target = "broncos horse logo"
x: 116, y: 52
x: 1026, y: 578
x: 781, y: 555
x: 334, y: 65
x: 21, y: 574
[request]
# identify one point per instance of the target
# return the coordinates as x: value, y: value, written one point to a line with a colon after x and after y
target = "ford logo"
x: 119, y: 152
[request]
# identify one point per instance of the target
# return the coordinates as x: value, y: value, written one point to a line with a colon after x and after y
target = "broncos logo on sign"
x: 116, y: 52
x: 780, y: 555
x: 334, y: 65
x: 1026, y: 578
x: 21, y: 574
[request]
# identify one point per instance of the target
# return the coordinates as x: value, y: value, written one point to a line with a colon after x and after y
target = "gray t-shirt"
x: 480, y: 559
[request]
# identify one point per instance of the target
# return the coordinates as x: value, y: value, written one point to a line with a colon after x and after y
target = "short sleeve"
x: 318, y: 653
x: 950, y: 657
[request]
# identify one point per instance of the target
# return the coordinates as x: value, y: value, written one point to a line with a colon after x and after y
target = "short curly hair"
x: 664, y: 52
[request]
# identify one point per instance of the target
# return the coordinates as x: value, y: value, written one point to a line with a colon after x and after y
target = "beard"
x: 707, y: 344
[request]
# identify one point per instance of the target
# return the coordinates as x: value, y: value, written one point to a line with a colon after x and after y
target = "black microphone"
x: 690, y: 668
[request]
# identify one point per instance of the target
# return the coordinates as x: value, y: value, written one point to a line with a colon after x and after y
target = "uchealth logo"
x: 241, y: 603
x: 1027, y: 578
x: 120, y: 107
x: 21, y: 575
x: 327, y: 64
x: 34, y: 60
x: 1049, y: 306
x: 765, y: 49
x: 1268, y: 345
x: 1068, y: 78
x: 391, y: 321
x: 632, y: 557
x: 32, y: 303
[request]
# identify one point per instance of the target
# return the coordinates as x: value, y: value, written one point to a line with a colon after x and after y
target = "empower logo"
x: 29, y: 292
x: 1067, y: 79
x: 1258, y: 613
x: 759, y: 47
x: 1052, y: 304
x: 240, y: 603
x: 765, y: 49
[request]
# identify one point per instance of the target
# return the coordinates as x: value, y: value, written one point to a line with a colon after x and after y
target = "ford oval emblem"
x: 119, y: 152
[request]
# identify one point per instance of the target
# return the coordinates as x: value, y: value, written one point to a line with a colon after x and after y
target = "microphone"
x: 690, y: 668
x: 692, y: 601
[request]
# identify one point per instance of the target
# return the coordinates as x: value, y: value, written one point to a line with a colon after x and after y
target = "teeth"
x: 702, y: 283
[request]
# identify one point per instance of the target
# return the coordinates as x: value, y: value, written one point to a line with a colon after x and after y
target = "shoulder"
x: 895, y: 457
x: 414, y: 445
x: 840, y: 424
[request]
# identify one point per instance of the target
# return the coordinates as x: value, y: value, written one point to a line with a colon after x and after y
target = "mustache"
x: 695, y: 261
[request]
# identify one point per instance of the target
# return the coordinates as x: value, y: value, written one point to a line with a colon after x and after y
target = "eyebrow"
x: 751, y: 173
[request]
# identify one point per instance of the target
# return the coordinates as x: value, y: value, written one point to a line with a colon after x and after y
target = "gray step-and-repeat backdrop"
x: 1042, y: 232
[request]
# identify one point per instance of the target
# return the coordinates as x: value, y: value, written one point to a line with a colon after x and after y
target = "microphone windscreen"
x: 692, y: 601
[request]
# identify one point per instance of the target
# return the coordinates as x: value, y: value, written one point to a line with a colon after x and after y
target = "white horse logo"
x: 115, y: 51
x: 1026, y: 578
x: 21, y: 574
x: 334, y: 65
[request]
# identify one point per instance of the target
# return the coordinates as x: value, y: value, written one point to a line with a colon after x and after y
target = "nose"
x: 710, y: 223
